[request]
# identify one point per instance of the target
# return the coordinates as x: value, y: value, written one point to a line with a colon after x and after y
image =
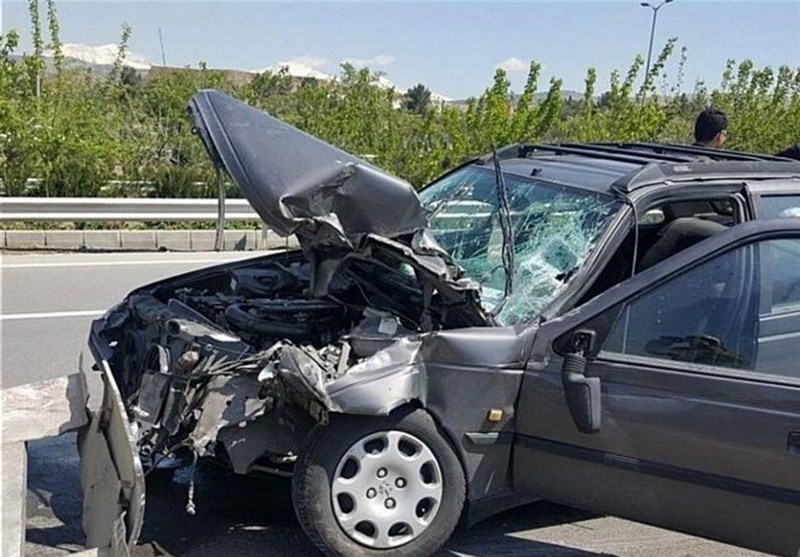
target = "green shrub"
x: 120, y: 135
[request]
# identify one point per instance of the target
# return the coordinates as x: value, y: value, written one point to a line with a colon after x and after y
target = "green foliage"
x: 418, y: 99
x: 116, y: 69
x: 496, y: 118
x: 129, y: 135
x: 763, y: 106
x: 55, y: 41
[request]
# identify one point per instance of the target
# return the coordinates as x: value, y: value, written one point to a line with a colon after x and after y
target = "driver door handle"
x: 793, y: 444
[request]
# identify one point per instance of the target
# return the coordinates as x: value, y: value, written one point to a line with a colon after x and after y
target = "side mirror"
x: 583, y: 393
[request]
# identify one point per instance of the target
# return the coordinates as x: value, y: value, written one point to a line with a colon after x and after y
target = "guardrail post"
x: 220, y: 239
x: 264, y: 236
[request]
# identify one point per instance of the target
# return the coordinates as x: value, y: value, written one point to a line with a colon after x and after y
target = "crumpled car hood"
x: 299, y: 184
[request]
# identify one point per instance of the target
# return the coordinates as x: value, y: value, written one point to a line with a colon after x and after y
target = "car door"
x: 775, y: 198
x: 670, y: 399
x: 780, y: 311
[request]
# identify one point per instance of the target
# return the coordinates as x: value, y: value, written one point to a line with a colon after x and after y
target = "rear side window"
x: 779, y: 317
x: 780, y: 277
x: 780, y: 206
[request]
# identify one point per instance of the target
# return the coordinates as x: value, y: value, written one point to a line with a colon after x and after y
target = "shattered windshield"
x: 555, y: 228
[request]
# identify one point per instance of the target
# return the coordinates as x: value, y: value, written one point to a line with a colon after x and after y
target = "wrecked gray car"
x: 582, y: 323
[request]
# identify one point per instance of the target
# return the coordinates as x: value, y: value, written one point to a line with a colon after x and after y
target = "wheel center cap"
x: 385, y: 489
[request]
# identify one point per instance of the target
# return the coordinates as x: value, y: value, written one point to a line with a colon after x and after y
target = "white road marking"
x: 51, y: 314
x: 119, y: 263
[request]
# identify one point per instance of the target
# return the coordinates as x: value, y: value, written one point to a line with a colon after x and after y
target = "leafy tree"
x: 82, y: 130
x: 55, y: 40
x: 418, y: 99
x: 130, y: 78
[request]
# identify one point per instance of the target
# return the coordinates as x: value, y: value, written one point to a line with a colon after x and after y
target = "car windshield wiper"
x: 435, y: 209
x: 432, y: 212
x: 504, y: 216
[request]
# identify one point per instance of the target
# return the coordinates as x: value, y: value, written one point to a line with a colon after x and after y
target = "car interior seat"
x: 677, y: 236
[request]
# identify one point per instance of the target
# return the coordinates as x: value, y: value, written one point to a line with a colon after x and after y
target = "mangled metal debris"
x: 111, y: 476
x: 203, y: 358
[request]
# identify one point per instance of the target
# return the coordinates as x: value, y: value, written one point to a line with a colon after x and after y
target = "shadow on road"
x: 494, y: 537
x: 253, y: 516
x: 238, y: 515
x: 54, y: 489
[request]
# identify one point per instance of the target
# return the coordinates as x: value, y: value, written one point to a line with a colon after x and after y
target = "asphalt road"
x: 49, y: 300
x: 47, y: 304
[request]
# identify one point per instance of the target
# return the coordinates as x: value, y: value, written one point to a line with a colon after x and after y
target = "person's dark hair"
x: 709, y: 123
x: 792, y: 152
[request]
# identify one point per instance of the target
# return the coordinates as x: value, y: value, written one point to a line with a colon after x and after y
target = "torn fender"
x: 374, y: 386
x: 411, y: 369
x: 459, y: 376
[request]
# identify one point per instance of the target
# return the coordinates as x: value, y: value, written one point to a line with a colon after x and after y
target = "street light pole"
x: 655, y: 9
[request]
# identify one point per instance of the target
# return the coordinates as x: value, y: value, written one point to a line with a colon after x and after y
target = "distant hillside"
x: 95, y: 69
x: 103, y: 55
x: 567, y: 95
x: 98, y: 61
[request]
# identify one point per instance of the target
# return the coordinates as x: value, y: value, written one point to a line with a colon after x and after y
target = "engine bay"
x: 208, y: 362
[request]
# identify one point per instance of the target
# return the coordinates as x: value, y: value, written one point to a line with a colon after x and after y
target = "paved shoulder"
x: 48, y: 301
x: 252, y: 517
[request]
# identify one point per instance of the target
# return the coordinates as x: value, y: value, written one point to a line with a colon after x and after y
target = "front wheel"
x: 389, y: 486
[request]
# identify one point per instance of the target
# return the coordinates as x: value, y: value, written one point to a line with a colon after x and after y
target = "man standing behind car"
x: 792, y: 152
x: 711, y: 129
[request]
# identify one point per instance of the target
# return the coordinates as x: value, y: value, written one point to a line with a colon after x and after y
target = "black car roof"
x: 625, y: 167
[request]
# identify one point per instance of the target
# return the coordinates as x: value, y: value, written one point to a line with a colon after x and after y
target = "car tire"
x: 411, y: 442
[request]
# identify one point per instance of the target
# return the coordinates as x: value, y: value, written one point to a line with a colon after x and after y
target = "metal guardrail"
x: 83, y: 209
x: 80, y: 209
x: 143, y: 187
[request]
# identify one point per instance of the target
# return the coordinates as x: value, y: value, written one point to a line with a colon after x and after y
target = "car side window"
x: 780, y: 206
x: 779, y: 319
x: 706, y: 315
x: 739, y: 310
x: 780, y: 272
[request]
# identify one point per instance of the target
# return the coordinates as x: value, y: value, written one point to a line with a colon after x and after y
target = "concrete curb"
x: 141, y: 240
x: 176, y: 240
x: 136, y: 240
x: 103, y: 239
x: 24, y: 239
x: 14, y: 499
x: 31, y: 412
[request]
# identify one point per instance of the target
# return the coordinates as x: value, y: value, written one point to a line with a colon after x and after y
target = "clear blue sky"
x: 451, y: 47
